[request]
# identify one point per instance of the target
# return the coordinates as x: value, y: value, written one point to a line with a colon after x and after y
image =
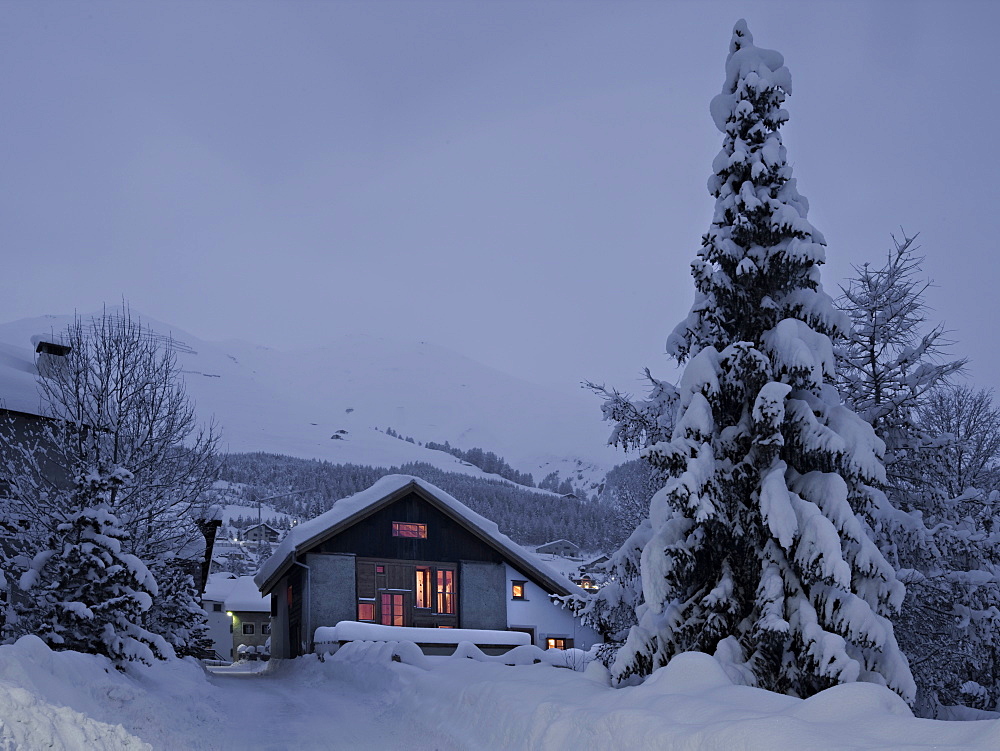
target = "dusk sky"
x: 523, y: 182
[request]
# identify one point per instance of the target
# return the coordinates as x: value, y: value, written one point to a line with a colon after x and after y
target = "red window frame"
x: 416, y: 530
x: 392, y: 609
x: 445, y: 581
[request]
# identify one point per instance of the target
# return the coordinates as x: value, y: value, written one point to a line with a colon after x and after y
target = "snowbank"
x: 360, y: 697
x: 355, y: 631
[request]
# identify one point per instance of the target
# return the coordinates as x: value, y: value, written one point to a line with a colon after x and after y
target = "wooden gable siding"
x: 446, y: 539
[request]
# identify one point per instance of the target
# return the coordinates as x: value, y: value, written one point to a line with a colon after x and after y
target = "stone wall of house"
x: 481, y: 595
x: 334, y: 590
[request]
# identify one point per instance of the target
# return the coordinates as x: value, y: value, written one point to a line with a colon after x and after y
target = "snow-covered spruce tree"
x: 176, y: 613
x: 760, y: 550
x: 638, y: 424
x: 84, y: 592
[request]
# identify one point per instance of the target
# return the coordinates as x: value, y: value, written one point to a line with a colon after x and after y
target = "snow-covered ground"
x: 360, y: 698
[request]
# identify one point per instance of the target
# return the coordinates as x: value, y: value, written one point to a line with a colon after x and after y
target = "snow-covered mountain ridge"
x: 334, y: 401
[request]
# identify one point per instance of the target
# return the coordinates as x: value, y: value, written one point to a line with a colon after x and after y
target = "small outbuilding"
x: 405, y: 553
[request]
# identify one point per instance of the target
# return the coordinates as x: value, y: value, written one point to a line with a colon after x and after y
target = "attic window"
x: 517, y: 590
x: 409, y: 529
x: 51, y: 348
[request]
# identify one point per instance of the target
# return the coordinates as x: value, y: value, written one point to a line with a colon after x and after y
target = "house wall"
x: 546, y: 617
x: 334, y: 595
x: 261, y: 623
x: 481, y: 595
x: 280, y: 644
x: 219, y: 625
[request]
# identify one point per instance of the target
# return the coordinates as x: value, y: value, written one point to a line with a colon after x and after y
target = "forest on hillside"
x: 529, y: 517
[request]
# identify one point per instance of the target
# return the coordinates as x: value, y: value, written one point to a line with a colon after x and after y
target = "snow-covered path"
x: 333, y: 706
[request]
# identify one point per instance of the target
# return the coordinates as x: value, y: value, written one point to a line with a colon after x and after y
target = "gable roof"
x: 353, y: 509
x: 262, y: 525
x: 244, y: 597
x: 557, y: 542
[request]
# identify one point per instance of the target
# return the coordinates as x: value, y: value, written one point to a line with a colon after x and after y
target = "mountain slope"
x: 326, y: 402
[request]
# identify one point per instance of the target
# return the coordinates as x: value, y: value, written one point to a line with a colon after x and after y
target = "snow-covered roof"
x: 245, y: 597
x: 19, y: 379
x: 559, y: 542
x: 219, y: 585
x: 353, y: 509
x: 261, y: 526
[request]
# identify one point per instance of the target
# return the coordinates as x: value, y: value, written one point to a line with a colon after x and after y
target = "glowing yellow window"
x: 517, y: 590
x: 424, y: 592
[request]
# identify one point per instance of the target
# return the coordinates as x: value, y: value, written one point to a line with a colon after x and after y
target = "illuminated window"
x: 517, y: 590
x: 558, y: 642
x: 380, y: 569
x: 366, y: 611
x: 446, y: 591
x: 392, y: 609
x: 409, y: 529
x: 247, y: 628
x: 424, y: 592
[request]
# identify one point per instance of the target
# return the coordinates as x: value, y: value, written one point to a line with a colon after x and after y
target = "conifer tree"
x: 176, y: 613
x: 892, y: 362
x: 760, y: 549
x: 84, y: 592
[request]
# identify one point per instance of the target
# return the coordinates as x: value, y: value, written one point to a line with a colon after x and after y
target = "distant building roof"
x: 561, y: 543
x: 43, y: 347
x: 219, y: 586
x: 261, y: 526
x: 19, y: 380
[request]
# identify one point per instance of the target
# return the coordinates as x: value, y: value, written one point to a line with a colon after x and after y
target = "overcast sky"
x: 522, y: 182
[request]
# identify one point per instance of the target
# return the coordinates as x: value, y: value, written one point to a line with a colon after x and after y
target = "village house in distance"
x: 405, y: 553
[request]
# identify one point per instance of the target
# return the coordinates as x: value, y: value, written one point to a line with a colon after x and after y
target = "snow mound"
x: 361, y: 697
